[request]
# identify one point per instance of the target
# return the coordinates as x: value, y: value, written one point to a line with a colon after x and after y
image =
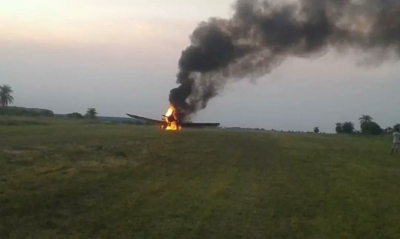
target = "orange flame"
x: 171, y: 121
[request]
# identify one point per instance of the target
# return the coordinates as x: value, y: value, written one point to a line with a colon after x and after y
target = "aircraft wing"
x: 148, y: 120
x: 185, y: 125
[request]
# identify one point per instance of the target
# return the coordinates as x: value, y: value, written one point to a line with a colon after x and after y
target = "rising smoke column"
x: 260, y: 35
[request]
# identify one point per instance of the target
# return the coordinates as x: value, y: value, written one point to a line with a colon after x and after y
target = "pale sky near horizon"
x: 121, y: 56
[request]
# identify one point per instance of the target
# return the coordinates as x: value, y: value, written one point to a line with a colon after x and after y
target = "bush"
x: 74, y: 115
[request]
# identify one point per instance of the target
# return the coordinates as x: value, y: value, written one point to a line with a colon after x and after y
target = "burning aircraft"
x: 171, y: 121
x: 261, y: 34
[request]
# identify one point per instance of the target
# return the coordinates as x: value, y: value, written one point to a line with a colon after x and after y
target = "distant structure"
x: 14, y: 110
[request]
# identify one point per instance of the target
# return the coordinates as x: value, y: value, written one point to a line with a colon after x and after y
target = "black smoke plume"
x: 261, y: 34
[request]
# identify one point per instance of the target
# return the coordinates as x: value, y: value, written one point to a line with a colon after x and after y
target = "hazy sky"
x: 121, y: 56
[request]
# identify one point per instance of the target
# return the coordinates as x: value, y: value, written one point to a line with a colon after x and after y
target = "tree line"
x: 367, y: 125
x: 7, y: 99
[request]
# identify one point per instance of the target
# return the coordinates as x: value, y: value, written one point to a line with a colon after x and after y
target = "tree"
x: 91, y: 113
x: 364, y: 119
x: 316, y: 130
x: 5, y: 95
x: 371, y: 128
x: 338, y: 128
x: 348, y: 127
x: 396, y: 127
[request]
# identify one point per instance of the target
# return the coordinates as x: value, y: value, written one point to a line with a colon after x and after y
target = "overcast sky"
x: 121, y: 56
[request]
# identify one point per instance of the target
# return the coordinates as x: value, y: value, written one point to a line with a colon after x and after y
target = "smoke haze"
x: 261, y: 34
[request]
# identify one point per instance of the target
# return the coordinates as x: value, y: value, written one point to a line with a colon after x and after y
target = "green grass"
x: 78, y: 180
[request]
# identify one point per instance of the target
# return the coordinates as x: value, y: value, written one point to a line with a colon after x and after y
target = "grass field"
x: 77, y: 180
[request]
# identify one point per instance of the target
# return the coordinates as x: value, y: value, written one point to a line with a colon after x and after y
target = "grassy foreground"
x: 71, y: 180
